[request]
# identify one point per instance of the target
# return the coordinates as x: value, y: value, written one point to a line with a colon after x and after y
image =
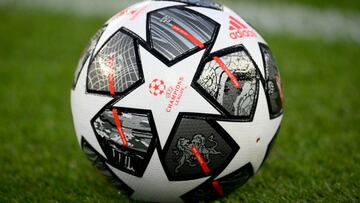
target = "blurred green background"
x: 315, y: 159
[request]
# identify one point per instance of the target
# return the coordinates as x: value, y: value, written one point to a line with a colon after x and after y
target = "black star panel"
x: 273, y: 86
x: 128, y: 144
x: 177, y: 32
x: 215, y: 146
x: 116, y: 68
x: 229, y: 79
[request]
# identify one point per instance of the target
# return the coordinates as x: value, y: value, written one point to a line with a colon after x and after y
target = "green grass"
x: 315, y: 159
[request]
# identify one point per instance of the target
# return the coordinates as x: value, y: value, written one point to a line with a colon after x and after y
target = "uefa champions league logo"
x: 174, y: 92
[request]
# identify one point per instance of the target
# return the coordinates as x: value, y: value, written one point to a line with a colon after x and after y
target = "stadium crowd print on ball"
x: 177, y: 101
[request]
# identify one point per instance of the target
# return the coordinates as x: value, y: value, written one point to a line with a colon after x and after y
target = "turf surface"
x: 315, y: 159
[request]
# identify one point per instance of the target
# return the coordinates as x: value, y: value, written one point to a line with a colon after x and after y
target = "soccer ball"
x: 177, y: 101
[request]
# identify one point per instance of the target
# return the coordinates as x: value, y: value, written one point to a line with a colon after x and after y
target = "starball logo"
x: 157, y: 87
x: 239, y: 30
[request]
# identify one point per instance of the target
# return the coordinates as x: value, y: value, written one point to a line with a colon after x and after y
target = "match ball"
x: 177, y: 101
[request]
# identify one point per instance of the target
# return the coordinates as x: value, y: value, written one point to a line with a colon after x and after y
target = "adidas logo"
x: 239, y: 30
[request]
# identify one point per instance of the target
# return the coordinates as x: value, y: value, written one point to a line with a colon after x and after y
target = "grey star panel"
x: 168, y: 42
x: 273, y: 85
x: 202, y: 3
x: 116, y: 59
x: 87, y: 53
x: 136, y: 128
x: 218, y: 85
x: 206, y: 192
x: 139, y: 136
x: 216, y: 148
